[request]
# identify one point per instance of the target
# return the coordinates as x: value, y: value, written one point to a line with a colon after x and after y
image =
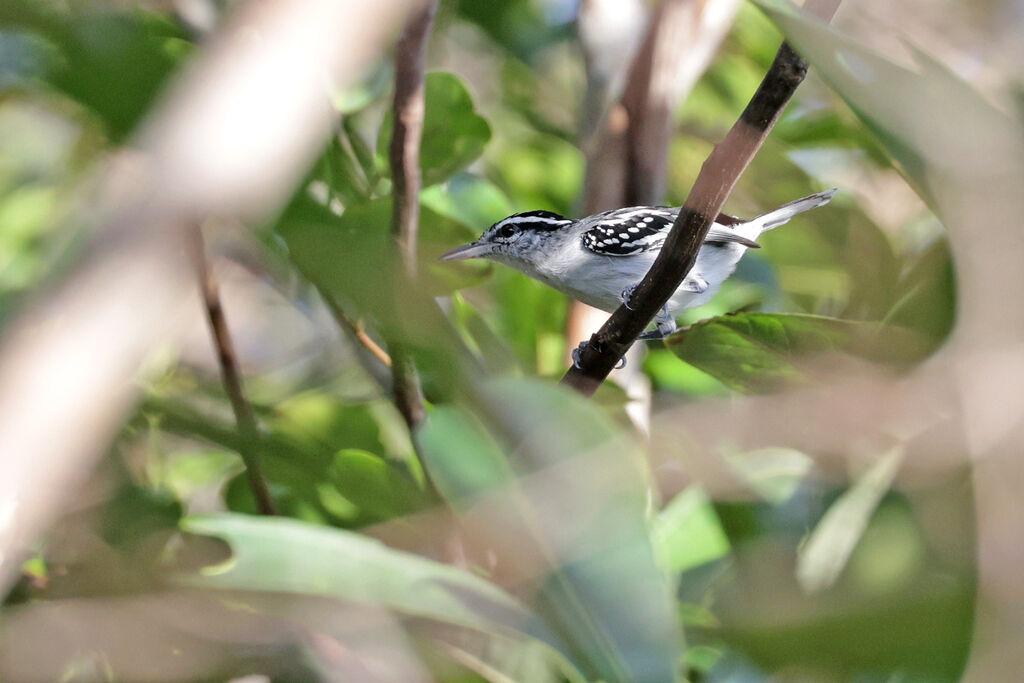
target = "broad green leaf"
x: 352, y: 255
x: 687, y: 532
x: 454, y: 135
x: 469, y: 199
x: 318, y: 421
x: 760, y: 352
x: 373, y: 485
x: 325, y: 461
x: 111, y: 62
x: 278, y: 555
x: 567, y: 506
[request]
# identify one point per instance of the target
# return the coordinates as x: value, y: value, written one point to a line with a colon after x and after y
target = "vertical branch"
x: 410, y: 67
x: 230, y: 374
x: 660, y: 78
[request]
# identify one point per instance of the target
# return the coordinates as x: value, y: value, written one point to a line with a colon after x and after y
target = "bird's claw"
x: 579, y: 349
x: 624, y: 296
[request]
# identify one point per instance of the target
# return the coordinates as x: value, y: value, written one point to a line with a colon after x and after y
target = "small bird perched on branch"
x: 601, y: 258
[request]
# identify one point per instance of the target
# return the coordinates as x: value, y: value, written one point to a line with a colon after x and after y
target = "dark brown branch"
x: 410, y: 68
x: 717, y: 178
x: 230, y: 375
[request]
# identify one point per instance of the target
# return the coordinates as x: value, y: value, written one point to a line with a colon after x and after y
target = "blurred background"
x: 815, y: 479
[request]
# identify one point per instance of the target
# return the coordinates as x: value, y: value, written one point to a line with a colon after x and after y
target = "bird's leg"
x: 579, y: 349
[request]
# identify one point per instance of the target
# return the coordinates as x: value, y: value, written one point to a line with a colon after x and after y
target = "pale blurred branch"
x: 718, y: 176
x: 232, y: 136
x: 231, y: 375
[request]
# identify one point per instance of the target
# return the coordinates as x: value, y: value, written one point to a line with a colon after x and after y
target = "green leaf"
x: 568, y: 507
x: 373, y: 485
x: 454, y: 135
x: 762, y: 352
x: 687, y: 532
x: 469, y: 199
x: 353, y: 255
x: 112, y: 62
x: 279, y: 555
x: 925, y: 297
x: 324, y: 460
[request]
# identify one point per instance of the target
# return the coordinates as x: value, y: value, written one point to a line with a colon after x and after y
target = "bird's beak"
x: 472, y: 250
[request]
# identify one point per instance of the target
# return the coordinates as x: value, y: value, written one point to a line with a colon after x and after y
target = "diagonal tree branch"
x: 410, y: 68
x: 717, y: 178
x: 231, y: 376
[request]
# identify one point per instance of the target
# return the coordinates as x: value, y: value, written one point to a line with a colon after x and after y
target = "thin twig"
x: 356, y: 330
x: 409, y: 105
x: 717, y: 178
x: 230, y: 374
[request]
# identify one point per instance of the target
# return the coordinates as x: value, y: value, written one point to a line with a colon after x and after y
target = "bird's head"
x: 516, y: 241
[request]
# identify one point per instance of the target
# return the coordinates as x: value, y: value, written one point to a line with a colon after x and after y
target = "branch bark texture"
x: 404, y: 154
x: 716, y: 180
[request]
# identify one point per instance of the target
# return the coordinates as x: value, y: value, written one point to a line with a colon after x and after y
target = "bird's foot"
x: 625, y: 294
x: 579, y: 349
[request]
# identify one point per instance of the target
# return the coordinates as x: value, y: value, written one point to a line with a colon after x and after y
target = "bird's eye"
x: 507, y: 232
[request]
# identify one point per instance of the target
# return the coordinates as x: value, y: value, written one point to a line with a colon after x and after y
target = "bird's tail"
x: 781, y: 215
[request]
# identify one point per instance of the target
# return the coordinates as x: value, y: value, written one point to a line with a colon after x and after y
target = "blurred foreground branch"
x: 230, y: 373
x: 232, y: 137
x: 717, y: 178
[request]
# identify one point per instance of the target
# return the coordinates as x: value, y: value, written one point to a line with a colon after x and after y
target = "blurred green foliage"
x: 569, y: 564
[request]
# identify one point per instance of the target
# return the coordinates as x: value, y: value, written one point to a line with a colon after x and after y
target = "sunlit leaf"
x: 687, y: 532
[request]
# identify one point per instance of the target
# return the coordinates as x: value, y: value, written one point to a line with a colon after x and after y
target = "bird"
x: 600, y: 259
